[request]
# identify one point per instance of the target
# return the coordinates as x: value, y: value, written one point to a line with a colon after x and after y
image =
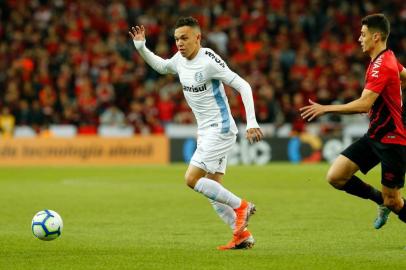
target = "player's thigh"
x: 341, y: 170
x: 359, y: 155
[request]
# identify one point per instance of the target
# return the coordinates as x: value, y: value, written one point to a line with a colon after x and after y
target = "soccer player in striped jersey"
x: 202, y: 74
x: 385, y: 141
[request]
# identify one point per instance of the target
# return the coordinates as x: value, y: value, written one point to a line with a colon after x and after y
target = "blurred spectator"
x: 184, y: 114
x: 47, y: 100
x: 166, y: 108
x: 23, y: 114
x: 268, y: 109
x: 7, y: 122
x: 219, y: 39
x: 136, y: 118
x: 112, y: 116
x: 37, y: 116
x: 104, y: 91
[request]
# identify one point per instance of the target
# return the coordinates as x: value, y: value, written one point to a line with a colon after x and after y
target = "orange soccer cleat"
x: 243, y: 214
x: 245, y: 240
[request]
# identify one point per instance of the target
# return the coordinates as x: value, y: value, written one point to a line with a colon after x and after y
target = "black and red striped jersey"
x: 382, y: 77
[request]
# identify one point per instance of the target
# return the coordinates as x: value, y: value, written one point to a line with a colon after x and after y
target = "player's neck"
x: 194, y: 54
x: 377, y: 50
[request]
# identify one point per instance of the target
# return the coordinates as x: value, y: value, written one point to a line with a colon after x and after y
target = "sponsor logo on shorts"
x: 389, y: 176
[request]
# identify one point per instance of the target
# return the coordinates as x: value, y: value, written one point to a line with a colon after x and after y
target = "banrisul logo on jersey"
x: 195, y: 89
x: 199, y: 76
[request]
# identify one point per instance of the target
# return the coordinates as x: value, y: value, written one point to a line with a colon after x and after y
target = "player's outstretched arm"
x: 360, y: 105
x: 159, y: 64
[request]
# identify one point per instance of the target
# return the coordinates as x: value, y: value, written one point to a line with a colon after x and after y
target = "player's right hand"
x: 312, y: 111
x: 137, y: 33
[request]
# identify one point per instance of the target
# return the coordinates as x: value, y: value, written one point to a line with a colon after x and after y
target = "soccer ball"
x: 47, y: 225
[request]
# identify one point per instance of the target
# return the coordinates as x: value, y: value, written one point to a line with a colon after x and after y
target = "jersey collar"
x: 379, y: 54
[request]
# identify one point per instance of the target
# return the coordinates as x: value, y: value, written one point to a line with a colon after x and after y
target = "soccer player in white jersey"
x: 202, y: 74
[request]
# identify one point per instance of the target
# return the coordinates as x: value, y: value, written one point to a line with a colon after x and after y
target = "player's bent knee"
x: 335, y: 180
x: 190, y: 184
x: 190, y: 180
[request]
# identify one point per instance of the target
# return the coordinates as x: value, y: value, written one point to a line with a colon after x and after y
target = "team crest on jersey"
x: 199, y: 76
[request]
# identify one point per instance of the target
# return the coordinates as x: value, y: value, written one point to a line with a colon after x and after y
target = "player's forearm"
x: 154, y: 61
x: 356, y: 106
x: 244, y: 88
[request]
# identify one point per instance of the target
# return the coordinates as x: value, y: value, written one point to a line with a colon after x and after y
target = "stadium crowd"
x: 73, y: 62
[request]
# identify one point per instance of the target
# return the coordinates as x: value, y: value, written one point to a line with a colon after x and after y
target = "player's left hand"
x: 254, y: 135
x: 137, y: 33
x: 312, y: 111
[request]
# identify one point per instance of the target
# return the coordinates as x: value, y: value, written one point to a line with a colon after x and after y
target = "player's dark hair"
x: 377, y: 23
x: 187, y: 21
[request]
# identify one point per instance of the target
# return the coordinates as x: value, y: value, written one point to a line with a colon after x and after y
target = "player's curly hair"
x: 187, y: 21
x: 377, y: 23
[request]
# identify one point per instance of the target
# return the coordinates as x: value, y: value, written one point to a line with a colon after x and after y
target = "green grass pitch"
x: 146, y: 218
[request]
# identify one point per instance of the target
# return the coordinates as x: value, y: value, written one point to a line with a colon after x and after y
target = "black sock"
x: 402, y: 212
x: 357, y: 187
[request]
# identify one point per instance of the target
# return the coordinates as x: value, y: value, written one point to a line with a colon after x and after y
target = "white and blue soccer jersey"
x: 202, y: 81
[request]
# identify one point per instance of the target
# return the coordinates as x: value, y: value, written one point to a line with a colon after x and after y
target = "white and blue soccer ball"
x: 47, y: 225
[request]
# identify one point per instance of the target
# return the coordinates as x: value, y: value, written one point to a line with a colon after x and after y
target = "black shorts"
x: 367, y: 153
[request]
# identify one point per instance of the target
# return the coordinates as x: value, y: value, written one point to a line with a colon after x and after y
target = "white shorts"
x: 212, y: 150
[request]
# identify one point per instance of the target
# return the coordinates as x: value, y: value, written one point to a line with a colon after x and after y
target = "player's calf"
x: 359, y: 188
